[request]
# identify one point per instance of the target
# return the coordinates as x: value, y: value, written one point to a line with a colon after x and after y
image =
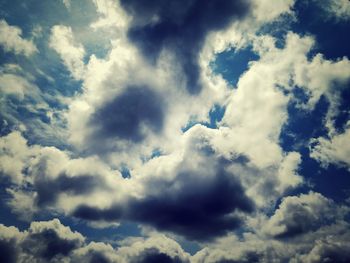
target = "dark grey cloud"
x: 48, y: 189
x: 181, y: 27
x: 197, y: 206
x: 47, y: 244
x: 8, y: 251
x: 87, y: 212
x: 152, y: 255
x: 50, y: 241
x: 124, y: 116
x: 330, y: 252
x: 247, y: 257
x: 98, y: 257
x: 46, y: 241
x: 301, y: 214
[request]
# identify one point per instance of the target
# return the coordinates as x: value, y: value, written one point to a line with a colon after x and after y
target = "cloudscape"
x: 178, y: 131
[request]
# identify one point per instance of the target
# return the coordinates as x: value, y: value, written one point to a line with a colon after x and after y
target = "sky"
x: 176, y: 131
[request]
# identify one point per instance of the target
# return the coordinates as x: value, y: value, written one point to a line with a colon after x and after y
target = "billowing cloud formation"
x: 334, y: 150
x: 191, y: 194
x: 50, y: 241
x: 298, y: 215
x: 154, y: 136
x: 180, y: 27
x: 197, y: 204
x: 46, y: 241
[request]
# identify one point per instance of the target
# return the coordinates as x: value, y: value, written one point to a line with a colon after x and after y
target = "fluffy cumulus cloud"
x: 127, y: 116
x: 11, y: 40
x: 45, y: 241
x: 300, y: 214
x: 334, y: 150
x: 199, y: 199
x: 50, y: 241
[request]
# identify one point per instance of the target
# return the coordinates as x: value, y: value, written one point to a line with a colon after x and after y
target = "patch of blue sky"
x: 154, y: 154
x: 332, y: 35
x: 331, y: 181
x: 215, y: 116
x: 302, y: 124
x: 189, y: 246
x: 232, y: 63
x: 124, y: 170
x: 343, y: 116
x: 278, y: 29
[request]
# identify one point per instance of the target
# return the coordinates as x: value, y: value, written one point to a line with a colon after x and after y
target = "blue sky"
x: 174, y: 131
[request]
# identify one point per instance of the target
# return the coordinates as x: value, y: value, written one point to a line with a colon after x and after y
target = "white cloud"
x: 257, y: 109
x: 48, y: 167
x: 12, y: 41
x: 335, y: 150
x: 14, y: 150
x: 51, y: 241
x: 72, y: 53
x: 67, y: 4
x: 266, y: 11
x: 15, y: 85
x: 336, y: 9
x: 112, y: 15
x: 332, y: 248
x: 301, y: 214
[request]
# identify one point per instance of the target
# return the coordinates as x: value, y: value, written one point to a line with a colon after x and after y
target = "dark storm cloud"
x: 47, y: 244
x: 94, y: 214
x: 97, y: 257
x: 181, y: 27
x: 198, y: 207
x: 125, y: 116
x: 246, y: 257
x: 48, y: 189
x: 8, y: 251
x: 151, y: 255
